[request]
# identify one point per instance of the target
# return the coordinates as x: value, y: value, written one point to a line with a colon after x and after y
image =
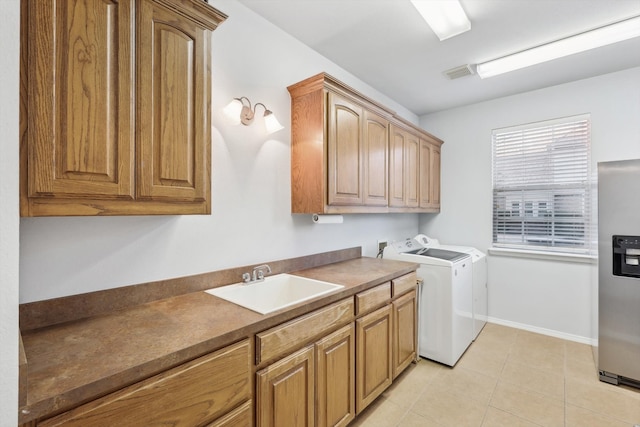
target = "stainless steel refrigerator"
x: 619, y: 272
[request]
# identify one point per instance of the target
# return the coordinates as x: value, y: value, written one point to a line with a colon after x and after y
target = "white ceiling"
x: 388, y: 45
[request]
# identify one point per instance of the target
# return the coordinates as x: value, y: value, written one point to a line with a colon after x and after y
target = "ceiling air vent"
x: 461, y: 71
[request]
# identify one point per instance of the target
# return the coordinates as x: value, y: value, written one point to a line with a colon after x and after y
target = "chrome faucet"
x: 257, y: 275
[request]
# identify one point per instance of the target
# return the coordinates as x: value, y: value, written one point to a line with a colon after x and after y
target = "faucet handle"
x: 262, y: 267
x: 259, y: 271
x: 246, y: 277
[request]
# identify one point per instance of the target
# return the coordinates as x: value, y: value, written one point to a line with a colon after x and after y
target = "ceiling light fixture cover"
x: 599, y: 37
x: 445, y: 17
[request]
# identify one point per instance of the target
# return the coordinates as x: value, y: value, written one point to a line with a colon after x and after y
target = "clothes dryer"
x: 445, y: 320
x: 479, y: 279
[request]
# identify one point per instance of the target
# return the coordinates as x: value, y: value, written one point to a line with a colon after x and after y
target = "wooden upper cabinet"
x: 396, y: 167
x: 174, y: 118
x: 435, y: 176
x: 376, y: 158
x: 412, y: 170
x: 404, y: 175
x: 345, y: 160
x: 425, y: 174
x: 350, y: 154
x: 429, y: 175
x: 115, y: 107
x: 80, y: 73
x: 358, y: 151
x: 339, y: 149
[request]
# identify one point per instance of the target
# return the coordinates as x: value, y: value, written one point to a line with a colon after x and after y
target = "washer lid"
x: 440, y: 254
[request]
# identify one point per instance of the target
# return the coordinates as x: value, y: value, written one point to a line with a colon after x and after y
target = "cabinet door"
x: 285, y: 392
x: 412, y: 170
x: 373, y: 356
x: 376, y: 149
x: 335, y: 380
x: 404, y: 168
x: 191, y: 394
x: 425, y: 174
x: 173, y: 106
x: 396, y: 167
x: 344, y: 169
x: 429, y: 175
x: 404, y: 332
x: 435, y: 177
x: 80, y: 134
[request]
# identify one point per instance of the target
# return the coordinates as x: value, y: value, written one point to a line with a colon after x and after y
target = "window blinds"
x: 542, y: 186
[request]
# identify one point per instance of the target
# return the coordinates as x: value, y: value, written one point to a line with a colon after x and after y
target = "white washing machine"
x: 479, y: 274
x: 445, y: 320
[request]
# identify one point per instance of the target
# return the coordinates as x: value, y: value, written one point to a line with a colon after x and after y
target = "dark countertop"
x: 77, y: 361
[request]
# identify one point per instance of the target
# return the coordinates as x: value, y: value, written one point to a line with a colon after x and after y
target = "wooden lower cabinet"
x: 239, y: 417
x: 191, y: 394
x: 285, y: 391
x: 373, y: 355
x: 314, y: 386
x: 335, y: 378
x: 353, y: 348
x: 404, y: 332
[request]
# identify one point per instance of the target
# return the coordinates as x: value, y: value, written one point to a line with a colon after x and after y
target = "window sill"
x: 550, y: 256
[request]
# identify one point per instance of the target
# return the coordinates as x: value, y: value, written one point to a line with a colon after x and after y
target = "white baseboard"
x: 544, y: 331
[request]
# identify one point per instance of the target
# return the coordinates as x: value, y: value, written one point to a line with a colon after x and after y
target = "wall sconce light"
x: 238, y: 112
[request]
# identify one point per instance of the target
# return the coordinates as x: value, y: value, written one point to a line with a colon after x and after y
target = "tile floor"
x: 508, y: 377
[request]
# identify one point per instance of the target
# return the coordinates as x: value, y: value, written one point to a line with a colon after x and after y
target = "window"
x: 543, y: 188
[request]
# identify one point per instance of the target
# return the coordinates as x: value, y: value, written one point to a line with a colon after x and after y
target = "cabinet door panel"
x: 344, y: 152
x: 173, y: 111
x: 373, y: 349
x: 435, y: 177
x: 191, y: 394
x: 285, y: 392
x: 425, y: 174
x: 376, y: 147
x: 335, y: 382
x: 429, y: 175
x: 396, y: 167
x: 404, y: 328
x: 412, y: 170
x: 80, y: 70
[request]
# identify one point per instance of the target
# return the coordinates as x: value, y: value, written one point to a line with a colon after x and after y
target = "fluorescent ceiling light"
x: 445, y: 17
x: 602, y: 36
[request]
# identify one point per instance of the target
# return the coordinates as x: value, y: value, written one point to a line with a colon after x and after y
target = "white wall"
x: 560, y: 297
x: 251, y: 220
x: 9, y: 220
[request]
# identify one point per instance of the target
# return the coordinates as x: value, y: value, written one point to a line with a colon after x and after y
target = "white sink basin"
x: 274, y: 293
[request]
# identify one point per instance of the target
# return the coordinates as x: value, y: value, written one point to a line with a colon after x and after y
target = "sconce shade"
x: 232, y: 111
x: 271, y: 123
x: 237, y: 112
